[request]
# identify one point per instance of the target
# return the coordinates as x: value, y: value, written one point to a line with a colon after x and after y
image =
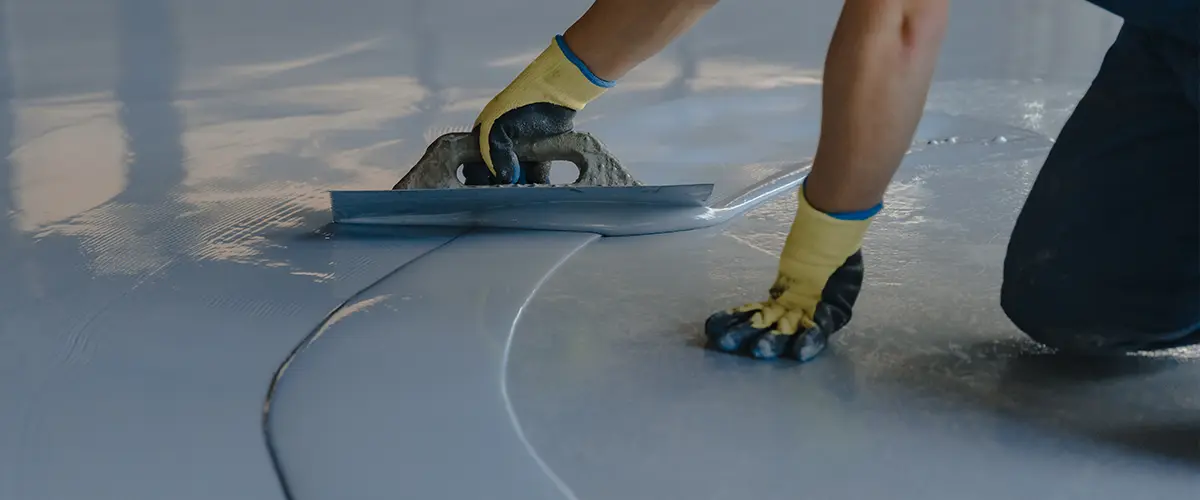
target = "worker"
x: 1105, y: 255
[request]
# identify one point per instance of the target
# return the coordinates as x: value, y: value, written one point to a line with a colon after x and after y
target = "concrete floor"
x: 166, y: 247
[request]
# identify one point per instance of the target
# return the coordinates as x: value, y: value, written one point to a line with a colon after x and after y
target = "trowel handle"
x: 438, y: 168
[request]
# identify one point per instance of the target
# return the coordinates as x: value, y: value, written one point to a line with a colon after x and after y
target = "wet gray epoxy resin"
x: 394, y: 333
x: 558, y: 395
x: 164, y: 178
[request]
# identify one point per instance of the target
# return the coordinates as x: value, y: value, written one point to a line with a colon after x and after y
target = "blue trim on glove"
x: 600, y: 82
x: 858, y: 215
x: 855, y: 215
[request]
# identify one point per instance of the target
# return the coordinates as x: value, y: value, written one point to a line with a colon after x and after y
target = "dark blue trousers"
x: 1105, y: 255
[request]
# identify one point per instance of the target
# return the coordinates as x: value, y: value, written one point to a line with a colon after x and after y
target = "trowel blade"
x: 393, y: 206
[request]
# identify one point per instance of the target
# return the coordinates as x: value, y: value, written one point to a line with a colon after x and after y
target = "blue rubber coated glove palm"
x: 820, y: 274
x: 540, y: 102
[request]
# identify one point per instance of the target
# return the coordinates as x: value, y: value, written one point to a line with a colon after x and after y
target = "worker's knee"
x: 1103, y: 257
x: 1081, y: 318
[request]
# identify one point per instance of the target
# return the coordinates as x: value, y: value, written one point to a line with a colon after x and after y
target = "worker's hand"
x: 540, y: 102
x: 820, y: 273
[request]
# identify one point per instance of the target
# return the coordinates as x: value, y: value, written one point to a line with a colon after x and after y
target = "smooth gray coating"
x: 438, y: 168
x: 465, y: 424
x: 615, y: 398
x: 165, y: 245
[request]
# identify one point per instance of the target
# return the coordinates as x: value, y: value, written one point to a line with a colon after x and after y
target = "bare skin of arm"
x: 877, y: 76
x: 614, y: 36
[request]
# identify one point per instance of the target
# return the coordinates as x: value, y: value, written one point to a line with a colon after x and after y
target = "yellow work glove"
x: 820, y: 273
x: 540, y: 102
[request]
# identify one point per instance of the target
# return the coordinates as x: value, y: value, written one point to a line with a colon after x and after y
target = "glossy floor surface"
x: 179, y: 320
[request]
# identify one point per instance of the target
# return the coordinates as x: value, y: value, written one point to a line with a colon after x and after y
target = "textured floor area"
x: 166, y: 249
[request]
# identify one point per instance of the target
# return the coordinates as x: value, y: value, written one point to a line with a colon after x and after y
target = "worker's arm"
x: 610, y: 39
x: 877, y: 75
x: 614, y: 36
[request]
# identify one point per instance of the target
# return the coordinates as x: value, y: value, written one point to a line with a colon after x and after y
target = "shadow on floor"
x: 1140, y: 403
x: 1127, y: 388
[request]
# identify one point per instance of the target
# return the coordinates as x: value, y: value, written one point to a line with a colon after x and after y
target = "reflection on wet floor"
x: 163, y: 170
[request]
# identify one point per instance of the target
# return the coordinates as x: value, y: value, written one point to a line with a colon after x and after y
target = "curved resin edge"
x: 298, y: 349
x: 411, y: 292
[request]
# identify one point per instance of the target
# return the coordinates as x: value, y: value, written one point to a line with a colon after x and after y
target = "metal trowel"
x: 432, y: 193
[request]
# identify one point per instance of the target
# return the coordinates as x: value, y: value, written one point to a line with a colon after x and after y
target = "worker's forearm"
x: 614, y: 36
x: 877, y: 77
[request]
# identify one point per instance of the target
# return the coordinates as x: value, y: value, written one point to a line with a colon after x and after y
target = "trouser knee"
x: 1104, y: 254
x: 1077, y: 320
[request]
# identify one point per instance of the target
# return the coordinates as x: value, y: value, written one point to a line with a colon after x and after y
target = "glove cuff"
x: 555, y: 78
x: 818, y: 243
x: 855, y: 215
x: 561, y: 42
